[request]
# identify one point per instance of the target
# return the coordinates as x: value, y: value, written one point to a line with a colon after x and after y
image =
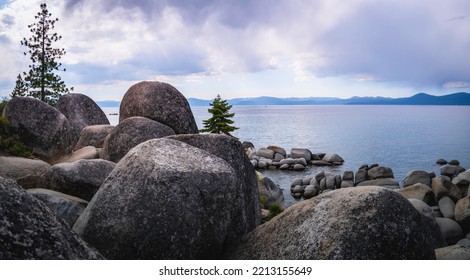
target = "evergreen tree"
x: 21, y: 89
x: 41, y: 80
x: 220, y: 122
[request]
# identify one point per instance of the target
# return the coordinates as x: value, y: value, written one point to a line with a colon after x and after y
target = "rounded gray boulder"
x: 164, y: 200
x: 93, y: 135
x: 129, y: 133
x: 352, y: 223
x: 160, y: 102
x: 42, y: 128
x: 81, y: 178
x: 29, y: 229
x: 26, y: 172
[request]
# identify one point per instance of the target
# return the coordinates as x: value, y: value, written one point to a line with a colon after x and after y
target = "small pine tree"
x: 41, y: 80
x: 21, y: 89
x: 220, y: 122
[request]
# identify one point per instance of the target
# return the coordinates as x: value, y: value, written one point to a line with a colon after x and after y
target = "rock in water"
x: 164, y: 200
x: 129, y: 133
x: 41, y: 127
x: 29, y: 230
x: 160, y: 102
x: 81, y: 178
x: 352, y: 223
x: 81, y: 111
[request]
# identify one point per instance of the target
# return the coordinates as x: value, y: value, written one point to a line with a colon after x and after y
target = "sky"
x: 243, y: 48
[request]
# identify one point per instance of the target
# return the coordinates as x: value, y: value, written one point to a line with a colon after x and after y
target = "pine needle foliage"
x: 221, y: 120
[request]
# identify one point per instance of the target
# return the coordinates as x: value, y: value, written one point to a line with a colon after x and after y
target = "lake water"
x: 400, y: 137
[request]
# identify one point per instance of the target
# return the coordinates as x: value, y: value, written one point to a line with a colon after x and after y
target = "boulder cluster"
x: 149, y: 188
x: 274, y: 157
x: 444, y: 198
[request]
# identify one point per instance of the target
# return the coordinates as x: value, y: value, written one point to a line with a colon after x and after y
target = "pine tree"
x: 220, y: 122
x: 21, y: 89
x: 41, y: 80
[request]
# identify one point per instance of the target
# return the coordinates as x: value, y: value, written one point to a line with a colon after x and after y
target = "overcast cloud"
x: 408, y: 45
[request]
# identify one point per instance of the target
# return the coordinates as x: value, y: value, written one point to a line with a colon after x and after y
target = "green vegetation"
x: 274, y: 210
x: 41, y: 82
x: 221, y: 121
x: 10, y: 144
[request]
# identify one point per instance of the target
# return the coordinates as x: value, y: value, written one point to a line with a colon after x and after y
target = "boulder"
x: 311, y: 191
x: 422, y: 207
x: 384, y: 182
x: 441, y: 161
x: 278, y: 157
x: 330, y: 157
x: 269, y: 192
x: 319, y: 176
x: 417, y: 176
x: 161, y: 202
x: 288, y: 161
x: 453, y: 252
x: 24, y: 171
x: 29, y: 229
x: 246, y: 207
x: 352, y: 223
x: 93, y: 135
x: 447, y: 207
x: 81, y: 178
x: 298, y: 167
x: 65, y: 207
x: 348, y: 176
x: 347, y: 184
x: 464, y: 242
x: 449, y: 170
x: 419, y: 191
x: 462, y: 213
x: 360, y: 176
x: 301, y: 153
x: 441, y: 186
x: 265, y: 153
x: 278, y: 150
x: 42, y: 128
x: 450, y: 229
x: 160, y: 102
x: 88, y: 152
x: 81, y: 111
x: 462, y: 180
x: 129, y: 133
x: 297, y: 181
x: 379, y: 172
x: 454, y: 162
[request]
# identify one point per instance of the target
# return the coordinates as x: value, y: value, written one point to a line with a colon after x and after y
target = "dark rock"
x: 419, y: 191
x: 301, y: 153
x: 319, y: 176
x: 266, y: 153
x: 160, y: 202
x: 65, y: 207
x: 330, y: 157
x: 81, y: 178
x: 160, y: 102
x: 417, y: 176
x: 269, y: 192
x: 454, y: 162
x: 348, y: 176
x: 129, y: 133
x: 26, y: 172
x: 29, y: 229
x: 441, y: 161
x: 462, y: 180
x: 297, y: 181
x: 247, y: 145
x: 379, y: 172
x: 462, y: 213
x: 41, y: 127
x: 449, y: 171
x: 450, y: 229
x: 93, y: 135
x: 453, y: 252
x: 360, y: 176
x: 81, y: 111
x: 441, y: 186
x: 352, y: 223
x: 311, y: 191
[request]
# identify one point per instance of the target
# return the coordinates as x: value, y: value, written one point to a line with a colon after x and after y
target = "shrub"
x: 274, y: 210
x: 10, y: 144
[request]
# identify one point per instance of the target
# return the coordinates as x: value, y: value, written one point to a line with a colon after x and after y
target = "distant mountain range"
x: 460, y: 98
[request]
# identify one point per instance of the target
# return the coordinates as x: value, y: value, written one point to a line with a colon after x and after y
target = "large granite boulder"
x: 419, y: 191
x: 42, y: 128
x: 352, y: 223
x: 160, y: 102
x: 379, y: 172
x: 129, y: 133
x: 450, y: 229
x: 301, y: 153
x: 81, y: 178
x: 26, y: 172
x: 164, y: 200
x: 333, y: 158
x: 81, y: 111
x: 65, y: 207
x: 246, y: 215
x: 93, y: 135
x: 417, y: 176
x: 463, y: 181
x: 422, y: 207
x: 29, y: 229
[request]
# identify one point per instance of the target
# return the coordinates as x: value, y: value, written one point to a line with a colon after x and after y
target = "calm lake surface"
x: 400, y: 137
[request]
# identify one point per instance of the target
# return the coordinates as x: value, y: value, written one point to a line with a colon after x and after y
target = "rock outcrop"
x: 129, y: 133
x: 29, y: 229
x: 352, y: 223
x: 26, y: 172
x: 160, y: 102
x: 42, y: 128
x: 164, y: 200
x: 93, y: 135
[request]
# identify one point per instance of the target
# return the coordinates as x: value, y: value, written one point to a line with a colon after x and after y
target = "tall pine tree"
x: 41, y: 80
x: 21, y: 89
x: 220, y: 122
